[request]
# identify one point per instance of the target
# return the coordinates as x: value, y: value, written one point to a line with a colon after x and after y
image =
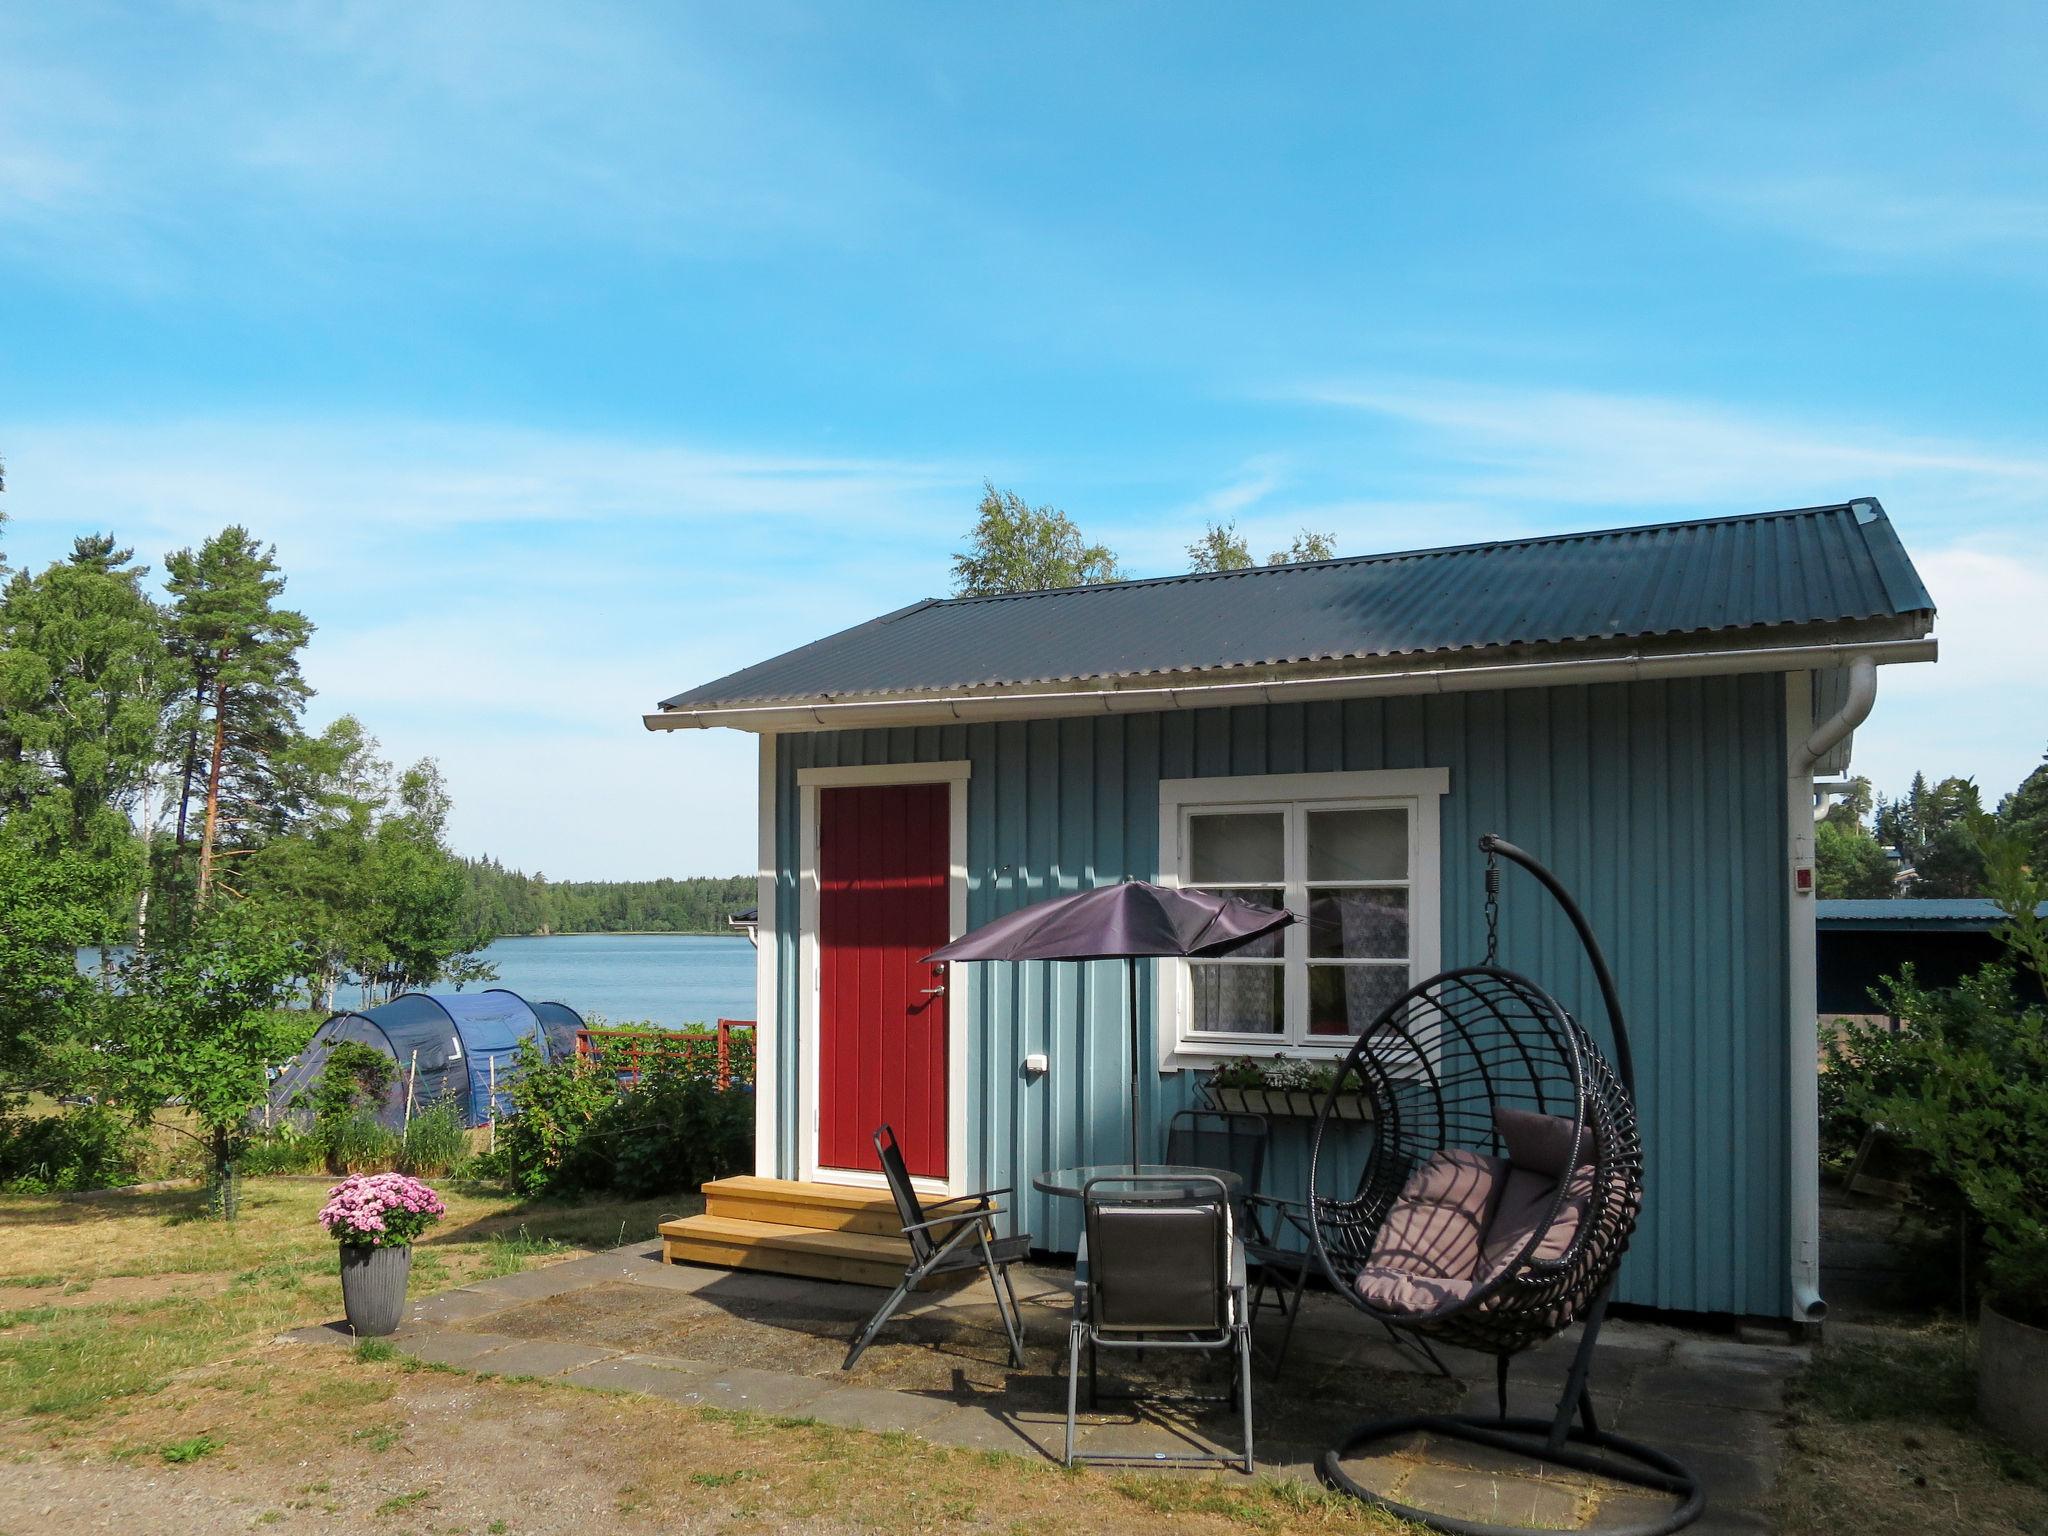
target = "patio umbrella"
x: 1128, y: 922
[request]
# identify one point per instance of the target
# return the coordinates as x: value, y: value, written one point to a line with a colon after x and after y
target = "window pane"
x: 1358, y: 924
x: 1358, y: 845
x: 1229, y: 849
x: 1267, y: 946
x: 1242, y: 999
x: 1344, y: 999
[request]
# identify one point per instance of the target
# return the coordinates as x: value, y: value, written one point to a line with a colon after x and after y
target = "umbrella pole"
x: 1131, y: 1013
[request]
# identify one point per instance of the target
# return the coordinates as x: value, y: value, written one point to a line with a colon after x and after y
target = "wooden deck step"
x: 794, y: 1203
x: 783, y: 1249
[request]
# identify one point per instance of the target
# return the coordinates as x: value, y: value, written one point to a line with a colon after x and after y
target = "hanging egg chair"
x: 1502, y: 1182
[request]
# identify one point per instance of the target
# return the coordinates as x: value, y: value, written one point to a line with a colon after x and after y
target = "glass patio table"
x: 1071, y: 1181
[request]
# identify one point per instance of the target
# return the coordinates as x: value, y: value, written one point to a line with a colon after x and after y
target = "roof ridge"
x: 1393, y: 555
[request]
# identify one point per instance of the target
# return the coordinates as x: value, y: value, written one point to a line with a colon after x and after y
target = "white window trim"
x: 959, y: 979
x: 1420, y: 790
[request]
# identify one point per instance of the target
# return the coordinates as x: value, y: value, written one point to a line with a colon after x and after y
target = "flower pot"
x: 373, y: 1287
x: 2012, y: 1380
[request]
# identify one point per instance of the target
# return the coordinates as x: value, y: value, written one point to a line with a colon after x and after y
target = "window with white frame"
x: 1353, y: 855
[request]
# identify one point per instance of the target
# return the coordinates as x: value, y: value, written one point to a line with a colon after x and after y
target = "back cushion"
x: 1540, y: 1143
x: 1435, y: 1227
x: 1524, y: 1203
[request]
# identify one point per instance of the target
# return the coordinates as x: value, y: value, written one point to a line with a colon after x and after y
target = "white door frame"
x: 809, y: 781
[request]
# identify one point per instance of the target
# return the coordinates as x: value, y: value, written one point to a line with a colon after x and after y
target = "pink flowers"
x: 380, y: 1210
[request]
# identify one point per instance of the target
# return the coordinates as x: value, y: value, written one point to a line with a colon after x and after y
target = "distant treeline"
x: 509, y: 902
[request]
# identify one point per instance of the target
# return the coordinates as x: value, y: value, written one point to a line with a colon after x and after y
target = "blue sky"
x: 573, y: 355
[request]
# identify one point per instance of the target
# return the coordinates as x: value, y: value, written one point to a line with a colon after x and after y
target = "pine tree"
x: 240, y: 655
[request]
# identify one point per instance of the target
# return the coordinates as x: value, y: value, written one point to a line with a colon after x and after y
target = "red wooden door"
x: 883, y: 860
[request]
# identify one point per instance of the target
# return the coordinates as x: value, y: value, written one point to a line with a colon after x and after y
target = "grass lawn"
x: 138, y: 1358
x: 1882, y: 1441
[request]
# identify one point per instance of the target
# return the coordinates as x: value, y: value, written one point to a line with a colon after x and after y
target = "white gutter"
x: 1803, y: 1011
x: 1113, y: 697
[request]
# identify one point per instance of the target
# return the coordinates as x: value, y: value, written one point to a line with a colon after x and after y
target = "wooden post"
x: 412, y: 1080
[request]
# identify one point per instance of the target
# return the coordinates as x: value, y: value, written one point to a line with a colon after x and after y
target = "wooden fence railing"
x: 724, y: 1055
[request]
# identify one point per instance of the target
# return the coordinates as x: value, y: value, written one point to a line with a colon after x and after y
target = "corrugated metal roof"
x: 1812, y: 565
x: 1909, y: 912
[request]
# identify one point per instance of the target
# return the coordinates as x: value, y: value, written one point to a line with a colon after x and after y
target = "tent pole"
x: 1131, y: 1012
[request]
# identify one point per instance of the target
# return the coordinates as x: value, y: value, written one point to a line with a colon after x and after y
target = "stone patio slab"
x: 744, y: 1388
x: 448, y: 1347
x: 1476, y: 1496
x: 875, y: 1408
x: 541, y: 1357
x: 654, y: 1375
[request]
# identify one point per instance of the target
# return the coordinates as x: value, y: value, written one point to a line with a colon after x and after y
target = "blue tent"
x: 456, y: 1045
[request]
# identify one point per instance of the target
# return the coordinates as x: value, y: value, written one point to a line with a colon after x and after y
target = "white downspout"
x: 1811, y: 743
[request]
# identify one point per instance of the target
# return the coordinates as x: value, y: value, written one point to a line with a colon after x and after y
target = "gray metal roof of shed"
x: 1910, y: 912
x: 1803, y: 567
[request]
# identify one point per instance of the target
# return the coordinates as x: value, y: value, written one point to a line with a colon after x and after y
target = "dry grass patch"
x: 390, y: 1446
x: 1883, y: 1441
x: 106, y: 1299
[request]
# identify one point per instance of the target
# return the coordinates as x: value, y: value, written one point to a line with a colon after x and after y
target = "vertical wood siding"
x: 1661, y: 804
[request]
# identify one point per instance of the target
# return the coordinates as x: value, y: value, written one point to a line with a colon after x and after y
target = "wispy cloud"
x: 299, y: 124
x: 1869, y: 218
x: 1585, y: 447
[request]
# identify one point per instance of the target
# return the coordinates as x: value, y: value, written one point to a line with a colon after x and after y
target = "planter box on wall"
x: 1287, y: 1103
x: 2012, y: 1381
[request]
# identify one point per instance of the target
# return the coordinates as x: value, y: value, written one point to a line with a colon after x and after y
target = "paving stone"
x: 742, y: 1387
x: 1733, y: 1354
x: 1495, y: 1500
x: 1704, y: 1386
x: 542, y: 1357
x: 449, y: 1346
x: 1149, y: 1439
x: 1734, y: 1483
x: 320, y: 1333
x: 1620, y: 1510
x: 1679, y: 1429
x: 455, y: 1307
x: 980, y: 1429
x: 654, y: 1375
x: 533, y: 1284
x: 875, y: 1408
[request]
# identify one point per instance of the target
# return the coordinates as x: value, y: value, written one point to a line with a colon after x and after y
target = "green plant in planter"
x: 1239, y: 1072
x: 1969, y: 1086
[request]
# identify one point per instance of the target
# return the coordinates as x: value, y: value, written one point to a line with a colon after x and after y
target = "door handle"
x: 933, y: 991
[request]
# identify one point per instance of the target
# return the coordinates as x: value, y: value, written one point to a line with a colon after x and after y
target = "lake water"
x: 622, y: 978
x: 662, y: 978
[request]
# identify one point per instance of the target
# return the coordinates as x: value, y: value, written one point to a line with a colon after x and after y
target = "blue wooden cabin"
x: 1645, y: 709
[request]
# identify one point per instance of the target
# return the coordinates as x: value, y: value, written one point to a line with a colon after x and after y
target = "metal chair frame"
x: 1086, y: 1331
x: 971, y: 1243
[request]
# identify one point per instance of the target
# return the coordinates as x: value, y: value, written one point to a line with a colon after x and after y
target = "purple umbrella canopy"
x: 1133, y: 920
x: 1128, y: 922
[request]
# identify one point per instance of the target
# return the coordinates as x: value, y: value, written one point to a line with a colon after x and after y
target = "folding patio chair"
x: 945, y: 1238
x: 1160, y: 1267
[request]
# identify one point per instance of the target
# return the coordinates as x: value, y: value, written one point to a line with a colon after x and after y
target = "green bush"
x: 1966, y: 1085
x: 435, y: 1141
x: 360, y: 1144
x: 85, y: 1147
x: 283, y: 1149
x: 577, y: 1129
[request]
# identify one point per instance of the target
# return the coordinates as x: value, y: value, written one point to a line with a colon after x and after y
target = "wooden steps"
x: 785, y: 1227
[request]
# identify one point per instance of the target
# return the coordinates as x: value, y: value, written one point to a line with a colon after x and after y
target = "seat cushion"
x: 1433, y: 1238
x: 1524, y: 1202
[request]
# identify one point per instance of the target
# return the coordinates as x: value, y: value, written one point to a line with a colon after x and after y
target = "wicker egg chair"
x: 1503, y: 1180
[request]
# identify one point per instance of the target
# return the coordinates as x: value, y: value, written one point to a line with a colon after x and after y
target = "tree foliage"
x: 1222, y: 548
x: 506, y: 901
x: 1849, y: 862
x: 1015, y: 547
x: 241, y: 691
